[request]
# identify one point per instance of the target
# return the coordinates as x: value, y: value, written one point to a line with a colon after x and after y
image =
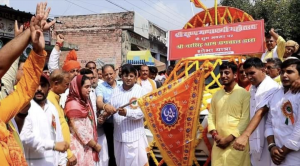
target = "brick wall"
x: 98, y: 36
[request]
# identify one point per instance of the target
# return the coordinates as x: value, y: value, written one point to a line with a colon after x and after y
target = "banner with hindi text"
x: 172, y: 115
x: 241, y: 38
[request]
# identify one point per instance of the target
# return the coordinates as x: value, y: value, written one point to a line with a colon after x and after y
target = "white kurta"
x: 53, y: 62
x: 146, y: 85
x: 63, y: 98
x: 287, y: 135
x: 103, y: 155
x: 38, y: 136
x: 130, y: 142
x: 260, y: 97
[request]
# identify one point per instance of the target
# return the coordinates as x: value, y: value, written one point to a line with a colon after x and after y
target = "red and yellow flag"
x: 172, y: 114
x: 199, y: 4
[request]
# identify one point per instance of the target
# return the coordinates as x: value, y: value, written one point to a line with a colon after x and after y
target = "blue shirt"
x: 105, y: 90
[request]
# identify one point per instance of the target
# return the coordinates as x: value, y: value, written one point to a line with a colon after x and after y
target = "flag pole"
x: 216, y: 12
x: 192, y: 8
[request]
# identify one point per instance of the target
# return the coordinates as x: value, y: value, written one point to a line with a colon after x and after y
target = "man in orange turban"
x: 71, y: 66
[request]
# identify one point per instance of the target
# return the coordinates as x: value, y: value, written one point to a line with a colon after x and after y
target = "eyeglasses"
x: 74, y: 70
x: 271, y: 67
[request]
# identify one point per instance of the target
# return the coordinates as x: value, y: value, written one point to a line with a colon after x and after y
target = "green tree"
x: 282, y: 15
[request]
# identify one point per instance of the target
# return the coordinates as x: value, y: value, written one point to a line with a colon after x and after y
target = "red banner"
x: 172, y: 115
x: 232, y: 39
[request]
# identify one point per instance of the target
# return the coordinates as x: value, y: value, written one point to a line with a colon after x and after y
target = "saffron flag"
x: 172, y: 115
x: 199, y: 4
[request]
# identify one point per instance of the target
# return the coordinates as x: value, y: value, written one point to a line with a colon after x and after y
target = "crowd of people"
x: 255, y: 118
x: 69, y: 115
x: 88, y: 116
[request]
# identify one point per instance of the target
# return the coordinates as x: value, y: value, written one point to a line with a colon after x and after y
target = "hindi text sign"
x: 231, y: 39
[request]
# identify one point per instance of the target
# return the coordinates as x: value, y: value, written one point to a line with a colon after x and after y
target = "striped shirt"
x: 131, y: 127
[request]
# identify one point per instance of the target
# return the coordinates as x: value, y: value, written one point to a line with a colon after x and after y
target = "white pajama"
x: 130, y: 140
x: 131, y: 153
x: 261, y: 159
x: 103, y: 155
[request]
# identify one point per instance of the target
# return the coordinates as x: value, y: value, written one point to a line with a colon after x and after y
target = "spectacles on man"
x: 270, y: 67
x: 74, y: 70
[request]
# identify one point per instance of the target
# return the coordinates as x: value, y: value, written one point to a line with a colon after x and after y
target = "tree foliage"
x: 282, y: 15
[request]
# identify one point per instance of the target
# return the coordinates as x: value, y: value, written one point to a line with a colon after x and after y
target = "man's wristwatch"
x: 54, y: 146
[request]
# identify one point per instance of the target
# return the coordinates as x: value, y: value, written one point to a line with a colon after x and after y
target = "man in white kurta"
x: 144, y: 81
x: 283, y: 123
x: 262, y: 89
x: 130, y: 142
x: 39, y: 136
x: 260, y: 96
x: 41, y: 132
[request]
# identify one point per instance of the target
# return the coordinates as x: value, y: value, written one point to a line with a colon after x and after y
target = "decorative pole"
x: 216, y: 12
x: 192, y: 8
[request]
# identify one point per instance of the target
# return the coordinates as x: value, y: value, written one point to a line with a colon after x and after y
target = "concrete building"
x: 107, y: 38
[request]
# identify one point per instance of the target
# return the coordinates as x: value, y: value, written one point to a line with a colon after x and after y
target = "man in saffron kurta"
x: 20, y: 98
x: 228, y: 118
x: 10, y: 151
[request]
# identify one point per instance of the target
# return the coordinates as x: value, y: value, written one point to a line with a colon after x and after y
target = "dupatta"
x: 79, y: 107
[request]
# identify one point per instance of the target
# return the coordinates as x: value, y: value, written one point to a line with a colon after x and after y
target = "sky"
x: 168, y: 14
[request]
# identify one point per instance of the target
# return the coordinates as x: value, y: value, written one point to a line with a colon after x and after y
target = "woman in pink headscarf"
x: 82, y: 123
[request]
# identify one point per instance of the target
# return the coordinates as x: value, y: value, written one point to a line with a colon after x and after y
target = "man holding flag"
x: 228, y: 118
x: 130, y: 140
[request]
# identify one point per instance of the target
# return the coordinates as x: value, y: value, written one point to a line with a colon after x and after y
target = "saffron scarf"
x: 11, y: 149
x: 79, y: 107
x: 139, y: 81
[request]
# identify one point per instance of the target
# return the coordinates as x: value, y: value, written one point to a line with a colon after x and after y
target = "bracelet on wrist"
x: 270, y: 146
x: 59, y: 44
x: 214, y: 135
